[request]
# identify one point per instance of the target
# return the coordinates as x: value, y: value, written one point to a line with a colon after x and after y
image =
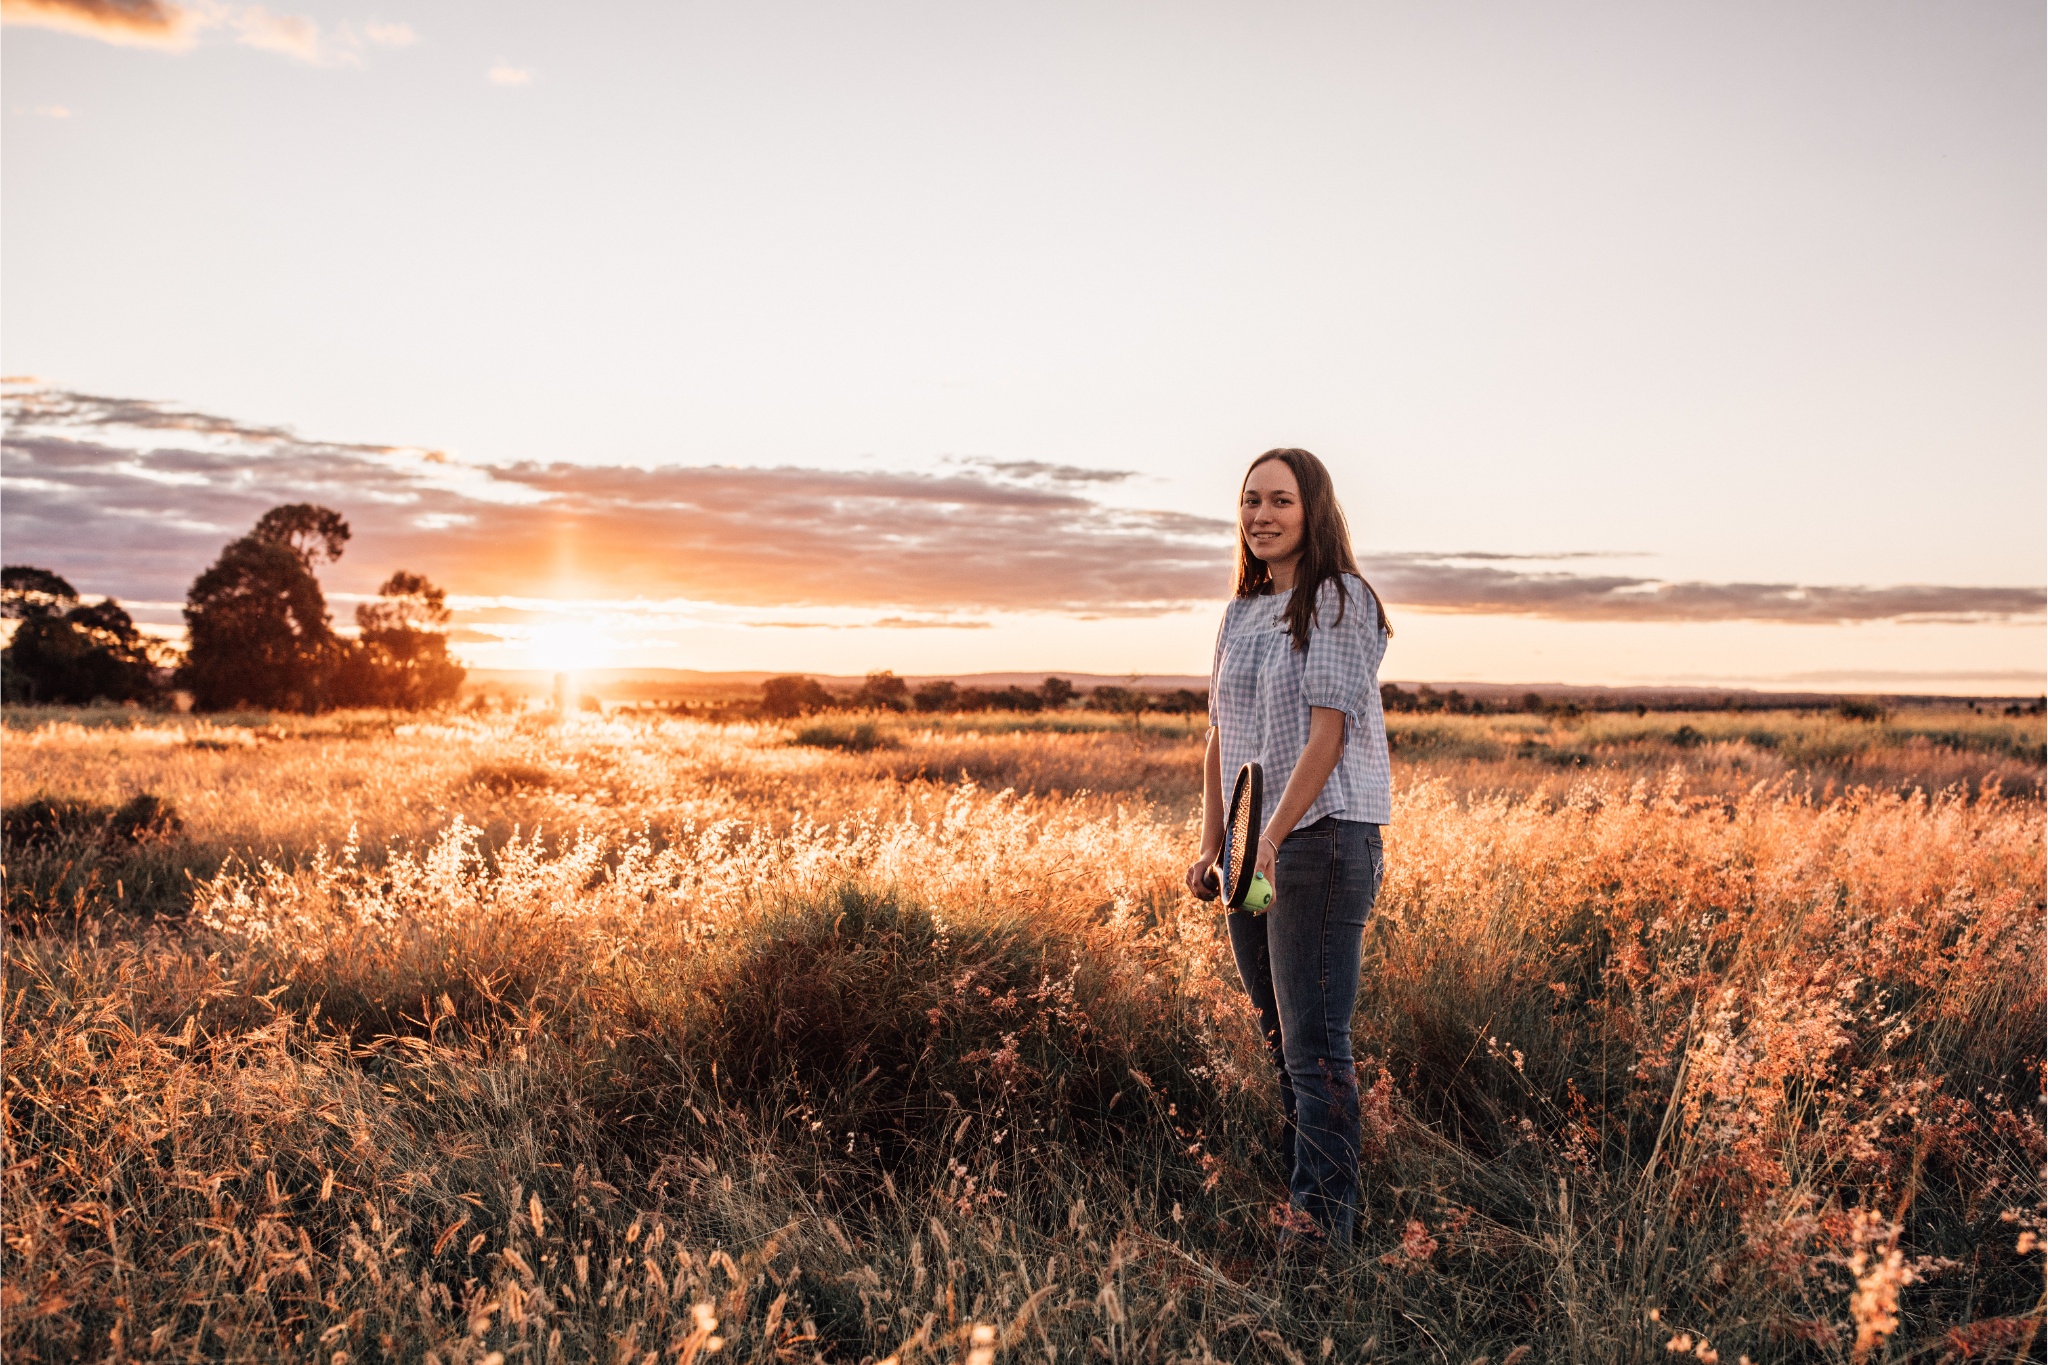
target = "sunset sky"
x: 1694, y: 343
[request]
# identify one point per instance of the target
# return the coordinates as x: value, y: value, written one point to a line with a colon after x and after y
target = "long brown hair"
x: 1325, y: 546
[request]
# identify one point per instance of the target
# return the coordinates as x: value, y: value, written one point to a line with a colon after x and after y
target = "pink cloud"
x: 135, y: 498
x: 131, y: 23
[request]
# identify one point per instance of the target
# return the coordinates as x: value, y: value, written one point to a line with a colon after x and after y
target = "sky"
x: 1678, y: 344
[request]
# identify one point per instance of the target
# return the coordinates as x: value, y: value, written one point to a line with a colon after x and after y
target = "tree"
x: 793, y: 696
x: 315, y: 534
x: 257, y: 619
x: 29, y: 593
x: 65, y: 652
x: 400, y: 660
x: 1015, y: 699
x: 936, y: 695
x: 883, y: 691
x: 1056, y: 692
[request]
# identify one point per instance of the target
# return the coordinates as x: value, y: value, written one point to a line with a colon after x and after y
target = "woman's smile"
x: 1270, y: 516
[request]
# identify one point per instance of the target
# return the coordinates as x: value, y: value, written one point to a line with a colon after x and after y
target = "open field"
x: 631, y: 1039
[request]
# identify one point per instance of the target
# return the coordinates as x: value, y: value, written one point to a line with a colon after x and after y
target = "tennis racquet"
x: 1243, y: 887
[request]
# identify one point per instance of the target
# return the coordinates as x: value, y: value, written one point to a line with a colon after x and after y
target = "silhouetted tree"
x: 1015, y: 699
x: 937, y: 695
x: 260, y: 635
x: 400, y: 660
x: 66, y: 652
x: 1057, y: 692
x: 315, y: 534
x: 1122, y: 701
x: 970, y: 699
x: 28, y: 593
x: 883, y: 691
x: 793, y: 695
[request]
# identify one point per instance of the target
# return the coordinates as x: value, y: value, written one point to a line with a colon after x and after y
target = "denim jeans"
x: 1300, y: 964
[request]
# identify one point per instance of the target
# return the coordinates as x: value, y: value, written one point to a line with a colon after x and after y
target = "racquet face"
x: 1244, y: 833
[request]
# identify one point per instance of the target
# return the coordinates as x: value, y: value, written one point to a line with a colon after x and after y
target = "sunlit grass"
x: 461, y: 1036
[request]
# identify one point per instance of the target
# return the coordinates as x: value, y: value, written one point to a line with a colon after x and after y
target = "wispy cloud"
x: 134, y: 498
x: 177, y: 27
x: 131, y: 23
x: 504, y: 73
x: 293, y: 35
x: 1466, y: 583
x: 1039, y: 471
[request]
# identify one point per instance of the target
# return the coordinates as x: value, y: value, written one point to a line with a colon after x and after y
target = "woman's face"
x: 1270, y: 514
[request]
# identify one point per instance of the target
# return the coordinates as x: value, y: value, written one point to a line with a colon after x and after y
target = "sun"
x: 567, y: 648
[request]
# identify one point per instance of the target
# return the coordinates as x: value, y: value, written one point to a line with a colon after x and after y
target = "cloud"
x: 506, y: 74
x: 52, y: 111
x: 293, y: 35
x: 131, y: 23
x: 1038, y: 471
x: 1453, y: 583
x: 135, y: 498
x: 175, y: 27
x: 906, y: 623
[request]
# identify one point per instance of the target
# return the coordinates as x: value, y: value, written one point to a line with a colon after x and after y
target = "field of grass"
x: 638, y: 1039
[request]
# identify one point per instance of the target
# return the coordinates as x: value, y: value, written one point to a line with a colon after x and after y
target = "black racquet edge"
x: 1245, y: 822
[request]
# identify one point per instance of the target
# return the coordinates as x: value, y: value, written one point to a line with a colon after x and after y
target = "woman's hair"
x: 1325, y: 547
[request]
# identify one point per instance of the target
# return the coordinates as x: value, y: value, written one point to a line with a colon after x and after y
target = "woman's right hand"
x: 1202, y: 879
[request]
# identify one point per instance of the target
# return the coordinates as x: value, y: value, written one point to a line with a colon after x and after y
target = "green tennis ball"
x: 1259, y: 894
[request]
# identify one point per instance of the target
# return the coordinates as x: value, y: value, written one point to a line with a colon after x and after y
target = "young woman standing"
x: 1295, y: 688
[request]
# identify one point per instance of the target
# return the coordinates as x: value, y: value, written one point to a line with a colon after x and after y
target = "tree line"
x: 798, y: 695
x: 259, y: 635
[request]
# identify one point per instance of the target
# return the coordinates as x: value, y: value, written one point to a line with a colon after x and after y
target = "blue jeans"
x: 1300, y: 962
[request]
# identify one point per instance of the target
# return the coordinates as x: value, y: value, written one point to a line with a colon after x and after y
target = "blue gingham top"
x: 1261, y: 688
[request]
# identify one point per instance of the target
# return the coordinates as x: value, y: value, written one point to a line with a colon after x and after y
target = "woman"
x: 1295, y: 688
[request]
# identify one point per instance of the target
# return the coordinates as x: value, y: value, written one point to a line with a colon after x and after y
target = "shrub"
x: 793, y: 695
x: 41, y: 823
x: 937, y: 695
x: 855, y: 739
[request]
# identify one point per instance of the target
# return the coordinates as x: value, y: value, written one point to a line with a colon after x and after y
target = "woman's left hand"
x: 1269, y: 852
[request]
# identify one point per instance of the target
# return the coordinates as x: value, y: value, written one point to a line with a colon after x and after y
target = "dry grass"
x: 649, y: 1040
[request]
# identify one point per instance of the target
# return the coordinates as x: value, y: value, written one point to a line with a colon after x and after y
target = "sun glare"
x: 567, y: 648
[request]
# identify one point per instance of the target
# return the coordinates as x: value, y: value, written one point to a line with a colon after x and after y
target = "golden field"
x: 637, y: 1039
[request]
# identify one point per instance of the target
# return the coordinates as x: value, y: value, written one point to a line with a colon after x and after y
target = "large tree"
x: 314, y: 533
x: 67, y: 652
x: 260, y: 635
x: 401, y: 657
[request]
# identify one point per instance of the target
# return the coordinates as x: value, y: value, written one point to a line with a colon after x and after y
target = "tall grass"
x: 773, y: 1051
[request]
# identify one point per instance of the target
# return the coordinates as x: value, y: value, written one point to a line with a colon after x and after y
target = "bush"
x: 883, y: 691
x: 855, y: 739
x: 41, y: 823
x: 937, y: 695
x: 793, y: 695
x: 869, y: 1009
